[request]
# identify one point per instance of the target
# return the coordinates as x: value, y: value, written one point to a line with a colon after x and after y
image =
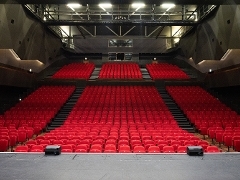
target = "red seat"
x: 153, y: 149
x: 237, y: 145
x: 168, y: 149
x: 22, y: 136
x: 12, y: 140
x: 57, y: 142
x: 219, y: 137
x: 65, y: 150
x: 212, y: 149
x: 78, y: 150
x: 37, y: 148
x: 227, y: 140
x: 3, y: 145
x: 110, y: 149
x: 31, y: 143
x: 21, y: 149
x: 82, y: 146
x: 124, y: 149
x: 95, y: 150
x: 204, y: 144
x: 234, y: 139
x: 182, y: 149
x: 139, y: 149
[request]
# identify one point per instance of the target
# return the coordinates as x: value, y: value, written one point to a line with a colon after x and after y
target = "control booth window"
x: 119, y: 56
x: 120, y: 43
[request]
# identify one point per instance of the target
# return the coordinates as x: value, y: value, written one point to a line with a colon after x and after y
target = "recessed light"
x: 138, y: 5
x: 168, y: 5
x: 74, y: 5
x: 105, y: 5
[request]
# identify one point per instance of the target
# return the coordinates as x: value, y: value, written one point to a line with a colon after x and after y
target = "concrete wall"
x: 210, y: 41
x: 100, y: 45
x: 27, y: 37
x: 214, y: 37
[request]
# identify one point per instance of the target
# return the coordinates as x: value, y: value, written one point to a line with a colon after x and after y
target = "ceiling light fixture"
x: 72, y: 6
x: 105, y: 5
x: 138, y: 5
x: 167, y: 5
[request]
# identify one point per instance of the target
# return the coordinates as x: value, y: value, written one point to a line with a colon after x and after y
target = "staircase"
x: 182, y: 121
x: 145, y: 74
x: 65, y: 110
x: 95, y: 73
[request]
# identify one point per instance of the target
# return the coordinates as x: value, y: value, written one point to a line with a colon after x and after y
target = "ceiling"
x: 84, y: 2
x: 120, y: 18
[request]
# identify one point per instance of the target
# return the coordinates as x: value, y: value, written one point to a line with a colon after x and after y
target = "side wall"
x: 212, y: 39
x: 27, y: 37
x: 100, y: 45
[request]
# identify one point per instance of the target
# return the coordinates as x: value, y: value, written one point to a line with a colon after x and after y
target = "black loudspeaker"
x: 195, y: 150
x: 53, y: 150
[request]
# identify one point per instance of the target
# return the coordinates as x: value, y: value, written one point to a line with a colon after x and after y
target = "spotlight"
x: 30, y: 71
x: 210, y: 71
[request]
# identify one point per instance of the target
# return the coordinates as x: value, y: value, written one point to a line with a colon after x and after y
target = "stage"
x: 28, y: 166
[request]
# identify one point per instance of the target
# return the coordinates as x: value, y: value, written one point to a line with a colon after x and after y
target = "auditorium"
x: 119, y: 89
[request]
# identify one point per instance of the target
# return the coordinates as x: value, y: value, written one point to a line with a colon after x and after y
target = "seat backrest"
x: 139, y: 149
x: 212, y: 149
x: 168, y: 149
x: 154, y: 149
x: 182, y: 149
x: 124, y: 149
x: 21, y: 149
x: 3, y: 144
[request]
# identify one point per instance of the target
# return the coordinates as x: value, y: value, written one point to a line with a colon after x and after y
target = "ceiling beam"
x: 87, y: 31
x: 80, y: 30
x: 159, y: 32
x: 120, y: 23
x: 104, y: 37
x: 84, y: 2
x: 129, y: 31
x: 112, y: 31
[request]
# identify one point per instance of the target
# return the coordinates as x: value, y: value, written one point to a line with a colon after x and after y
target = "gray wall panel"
x: 28, y: 38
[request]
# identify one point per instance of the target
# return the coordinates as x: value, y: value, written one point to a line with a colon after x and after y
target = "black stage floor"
x: 119, y: 166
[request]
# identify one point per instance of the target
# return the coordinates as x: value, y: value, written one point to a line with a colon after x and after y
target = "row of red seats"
x: 10, y: 137
x: 103, y: 137
x: 190, y: 98
x: 229, y: 136
x: 75, y: 71
x: 110, y: 148
x: 217, y: 123
x: 16, y: 126
x: 134, y: 110
x: 165, y: 71
x: 98, y: 131
x: 120, y: 71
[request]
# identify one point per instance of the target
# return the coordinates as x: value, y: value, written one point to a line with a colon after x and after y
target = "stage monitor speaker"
x: 195, y: 150
x: 53, y: 150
